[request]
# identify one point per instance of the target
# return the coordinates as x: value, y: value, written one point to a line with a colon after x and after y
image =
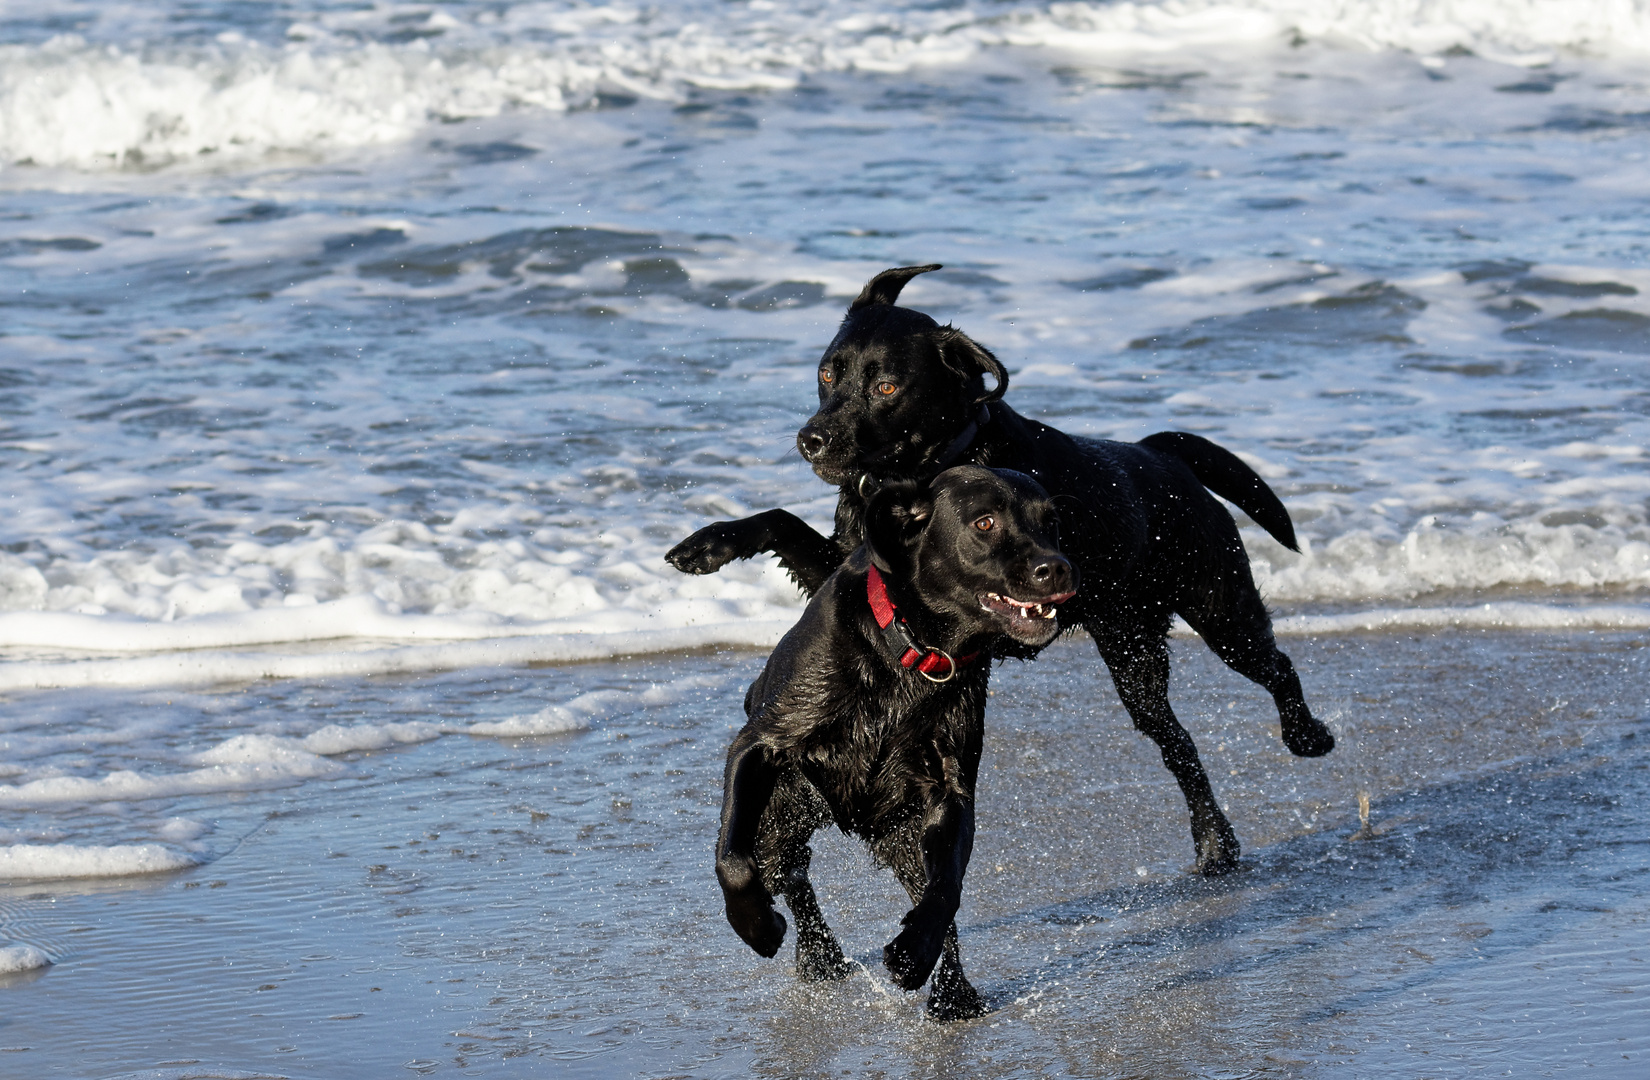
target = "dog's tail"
x: 1225, y: 474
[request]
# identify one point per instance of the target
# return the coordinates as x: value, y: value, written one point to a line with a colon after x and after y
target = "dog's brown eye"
x: 986, y: 524
x: 825, y: 376
x: 886, y: 388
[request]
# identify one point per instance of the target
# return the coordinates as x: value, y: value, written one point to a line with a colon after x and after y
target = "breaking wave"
x: 329, y: 80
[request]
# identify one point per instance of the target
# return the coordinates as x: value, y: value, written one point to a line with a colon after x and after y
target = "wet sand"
x: 546, y: 906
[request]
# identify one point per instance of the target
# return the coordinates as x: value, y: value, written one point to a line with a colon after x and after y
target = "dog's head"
x: 895, y: 388
x: 978, y: 548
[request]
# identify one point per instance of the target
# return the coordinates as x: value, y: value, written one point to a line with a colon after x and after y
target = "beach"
x: 359, y: 363
x: 548, y: 906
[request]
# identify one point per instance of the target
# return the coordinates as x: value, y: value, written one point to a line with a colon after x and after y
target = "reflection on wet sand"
x: 477, y: 907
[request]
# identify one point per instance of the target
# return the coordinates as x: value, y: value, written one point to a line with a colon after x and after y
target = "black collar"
x: 900, y: 645
x: 870, y: 485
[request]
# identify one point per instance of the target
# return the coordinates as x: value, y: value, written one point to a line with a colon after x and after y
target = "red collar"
x: 935, y: 665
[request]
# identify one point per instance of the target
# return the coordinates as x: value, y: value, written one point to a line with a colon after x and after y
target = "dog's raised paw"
x: 709, y: 549
x: 1308, y: 738
x: 757, y: 924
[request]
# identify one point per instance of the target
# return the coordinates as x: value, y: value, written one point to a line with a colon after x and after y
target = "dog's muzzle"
x: 811, y: 441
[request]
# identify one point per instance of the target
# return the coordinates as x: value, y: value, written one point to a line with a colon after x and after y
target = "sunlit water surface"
x: 547, y: 906
x: 345, y: 346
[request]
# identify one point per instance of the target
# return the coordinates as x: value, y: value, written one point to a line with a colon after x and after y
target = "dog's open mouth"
x: 1029, y: 620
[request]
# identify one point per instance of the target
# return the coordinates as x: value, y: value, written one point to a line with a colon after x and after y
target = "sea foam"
x: 1506, y: 615
x: 26, y: 862
x: 205, y: 667
x: 15, y: 958
x: 338, y: 80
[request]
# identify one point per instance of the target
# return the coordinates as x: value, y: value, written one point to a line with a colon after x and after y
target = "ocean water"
x: 345, y: 345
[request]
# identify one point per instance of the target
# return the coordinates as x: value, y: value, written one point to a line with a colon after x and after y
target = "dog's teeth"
x: 1025, y: 609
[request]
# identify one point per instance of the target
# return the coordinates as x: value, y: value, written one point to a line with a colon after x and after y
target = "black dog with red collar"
x: 839, y: 728
x: 902, y: 396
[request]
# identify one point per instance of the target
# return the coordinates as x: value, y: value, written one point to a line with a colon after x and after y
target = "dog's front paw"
x: 819, y: 958
x: 910, y: 957
x: 712, y: 548
x: 959, y: 1001
x: 1306, y: 736
x: 753, y: 918
x: 1217, y: 861
x: 1217, y: 850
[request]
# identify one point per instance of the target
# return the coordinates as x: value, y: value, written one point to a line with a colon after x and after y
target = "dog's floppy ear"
x: 893, y: 519
x: 885, y: 287
x: 971, y: 360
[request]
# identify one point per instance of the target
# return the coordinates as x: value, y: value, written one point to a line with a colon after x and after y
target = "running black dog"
x: 871, y: 713
x: 903, y: 397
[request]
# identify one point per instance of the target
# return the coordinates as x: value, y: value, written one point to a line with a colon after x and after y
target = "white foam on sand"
x: 207, y: 667
x: 244, y: 762
x: 342, y: 739
x: 577, y: 714
x: 252, y: 761
x: 31, y: 862
x: 15, y: 958
x: 554, y: 720
x: 249, y: 762
x: 1493, y: 616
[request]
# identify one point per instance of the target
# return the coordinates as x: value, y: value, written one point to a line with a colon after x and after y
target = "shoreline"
x: 44, y: 663
x: 527, y: 905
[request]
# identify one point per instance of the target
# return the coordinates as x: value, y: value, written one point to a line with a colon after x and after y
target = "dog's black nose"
x: 811, y: 441
x: 1053, y: 573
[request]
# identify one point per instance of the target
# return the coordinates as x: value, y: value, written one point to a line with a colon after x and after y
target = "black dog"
x: 901, y: 396
x: 871, y: 713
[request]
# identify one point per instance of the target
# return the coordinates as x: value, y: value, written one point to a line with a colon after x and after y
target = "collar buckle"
x: 949, y: 666
x: 900, y: 645
x: 869, y: 485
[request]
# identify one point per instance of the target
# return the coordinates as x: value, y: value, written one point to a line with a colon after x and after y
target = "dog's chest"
x: 873, y: 766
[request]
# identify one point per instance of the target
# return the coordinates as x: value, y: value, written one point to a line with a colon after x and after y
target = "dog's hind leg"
x: 1139, y: 664
x: 1240, y: 633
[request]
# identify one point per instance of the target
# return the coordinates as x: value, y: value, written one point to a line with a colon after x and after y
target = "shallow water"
x: 355, y: 359
x: 478, y: 907
x: 333, y: 401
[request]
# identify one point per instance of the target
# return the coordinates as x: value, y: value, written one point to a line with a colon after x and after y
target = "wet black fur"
x: 837, y: 731
x: 1137, y: 519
